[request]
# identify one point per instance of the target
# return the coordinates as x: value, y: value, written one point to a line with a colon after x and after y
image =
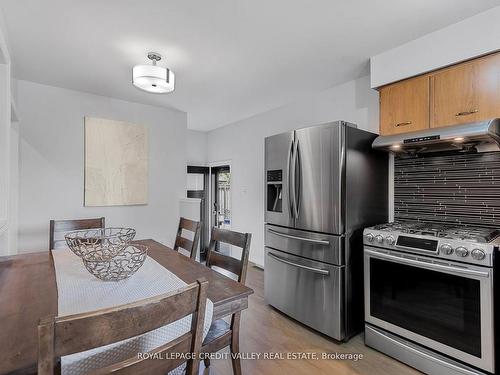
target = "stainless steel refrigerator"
x: 324, y: 184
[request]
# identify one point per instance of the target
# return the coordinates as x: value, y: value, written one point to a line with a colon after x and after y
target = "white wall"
x: 8, y: 151
x: 52, y: 163
x: 196, y: 147
x: 13, y: 188
x: 5, y: 162
x: 243, y: 143
x: 474, y: 36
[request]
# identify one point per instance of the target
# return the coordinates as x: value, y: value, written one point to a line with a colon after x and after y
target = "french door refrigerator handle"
x: 298, y: 172
x: 426, y: 265
x: 312, y: 240
x: 291, y: 193
x: 292, y: 179
x: 312, y: 269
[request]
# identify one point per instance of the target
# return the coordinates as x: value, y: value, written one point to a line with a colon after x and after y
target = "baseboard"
x: 257, y: 265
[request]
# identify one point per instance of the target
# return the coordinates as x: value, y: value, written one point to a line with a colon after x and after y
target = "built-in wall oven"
x: 432, y: 290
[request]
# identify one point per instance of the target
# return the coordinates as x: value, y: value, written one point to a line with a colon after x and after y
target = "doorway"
x: 220, y: 194
x: 198, y: 187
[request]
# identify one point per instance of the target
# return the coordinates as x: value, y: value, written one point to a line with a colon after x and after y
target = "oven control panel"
x: 421, y: 244
x: 449, y: 249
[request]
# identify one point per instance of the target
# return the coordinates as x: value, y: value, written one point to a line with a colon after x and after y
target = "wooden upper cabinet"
x: 404, y: 106
x: 466, y: 92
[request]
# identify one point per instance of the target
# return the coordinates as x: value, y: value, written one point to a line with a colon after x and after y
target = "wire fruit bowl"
x: 103, y: 243
x: 119, y: 267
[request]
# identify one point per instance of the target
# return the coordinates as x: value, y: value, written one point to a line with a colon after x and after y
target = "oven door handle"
x: 426, y: 265
x: 312, y: 269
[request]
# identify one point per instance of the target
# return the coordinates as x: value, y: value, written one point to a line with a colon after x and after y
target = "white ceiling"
x: 232, y: 58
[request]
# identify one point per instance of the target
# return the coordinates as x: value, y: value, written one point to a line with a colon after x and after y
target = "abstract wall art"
x: 116, y: 163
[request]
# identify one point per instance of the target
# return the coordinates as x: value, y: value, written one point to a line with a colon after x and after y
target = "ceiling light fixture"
x: 153, y: 78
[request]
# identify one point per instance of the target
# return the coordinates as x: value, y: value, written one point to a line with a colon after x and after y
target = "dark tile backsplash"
x: 459, y: 189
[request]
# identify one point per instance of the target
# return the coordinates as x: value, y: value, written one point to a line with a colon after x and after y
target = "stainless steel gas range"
x: 429, y: 295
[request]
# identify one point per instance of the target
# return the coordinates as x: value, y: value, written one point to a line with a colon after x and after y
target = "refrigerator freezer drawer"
x: 308, y: 291
x: 316, y: 246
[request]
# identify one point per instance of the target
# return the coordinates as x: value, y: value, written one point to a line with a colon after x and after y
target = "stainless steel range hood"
x: 471, y: 137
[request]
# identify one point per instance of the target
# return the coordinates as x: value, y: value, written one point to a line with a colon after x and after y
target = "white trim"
x: 259, y: 266
x: 4, y: 42
x: 210, y: 203
x: 3, y: 225
x: 14, y: 113
x: 220, y: 163
x: 4, y: 51
x: 190, y: 200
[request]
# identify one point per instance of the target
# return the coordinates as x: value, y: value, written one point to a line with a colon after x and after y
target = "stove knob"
x: 461, y: 251
x: 379, y: 238
x: 369, y: 237
x: 446, y: 249
x: 389, y: 240
x: 478, y: 254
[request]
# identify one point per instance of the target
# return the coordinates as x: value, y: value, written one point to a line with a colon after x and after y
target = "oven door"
x: 444, y: 306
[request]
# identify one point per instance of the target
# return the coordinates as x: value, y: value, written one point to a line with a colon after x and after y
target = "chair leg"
x: 235, y: 349
x: 206, y: 361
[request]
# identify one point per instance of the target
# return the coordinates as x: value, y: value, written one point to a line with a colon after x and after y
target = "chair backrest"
x: 233, y: 265
x: 190, y: 245
x: 61, y: 336
x: 58, y: 228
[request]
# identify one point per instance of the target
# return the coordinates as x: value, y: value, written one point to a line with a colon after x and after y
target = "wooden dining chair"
x: 60, y: 336
x: 221, y: 333
x: 190, y: 246
x: 58, y: 228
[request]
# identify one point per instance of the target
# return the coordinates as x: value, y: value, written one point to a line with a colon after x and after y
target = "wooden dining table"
x: 28, y: 292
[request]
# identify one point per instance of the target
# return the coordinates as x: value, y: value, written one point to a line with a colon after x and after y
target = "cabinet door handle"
x: 465, y: 113
x: 402, y: 124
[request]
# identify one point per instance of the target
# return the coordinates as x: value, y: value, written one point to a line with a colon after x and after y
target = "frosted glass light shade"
x: 152, y: 78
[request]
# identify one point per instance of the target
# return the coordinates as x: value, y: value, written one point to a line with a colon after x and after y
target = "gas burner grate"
x: 471, y: 234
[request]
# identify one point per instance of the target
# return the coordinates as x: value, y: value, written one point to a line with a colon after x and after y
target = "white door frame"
x: 210, y: 205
